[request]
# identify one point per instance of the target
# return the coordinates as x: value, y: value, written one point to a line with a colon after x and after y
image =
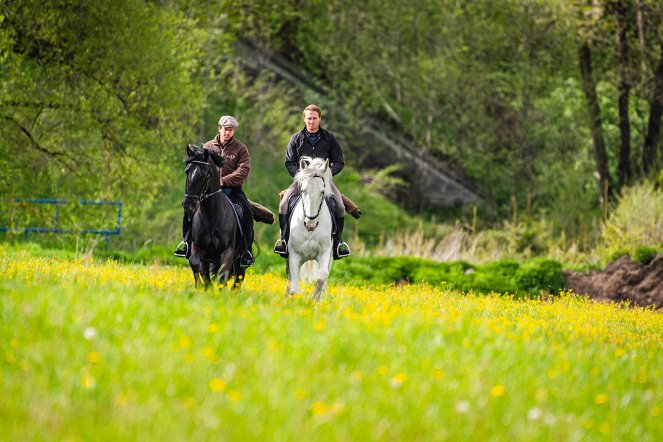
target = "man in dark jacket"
x: 233, y: 174
x: 315, y: 142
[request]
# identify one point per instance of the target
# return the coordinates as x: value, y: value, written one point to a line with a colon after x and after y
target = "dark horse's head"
x: 202, y: 175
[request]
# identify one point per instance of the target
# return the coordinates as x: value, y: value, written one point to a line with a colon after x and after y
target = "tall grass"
x: 635, y: 220
x: 522, y: 240
x: 103, y: 351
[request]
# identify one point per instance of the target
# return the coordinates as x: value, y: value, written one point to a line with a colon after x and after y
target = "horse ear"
x: 326, y: 164
x: 217, y: 158
x: 303, y: 163
x: 189, y: 149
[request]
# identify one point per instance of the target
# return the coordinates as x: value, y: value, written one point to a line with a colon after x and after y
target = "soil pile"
x: 622, y: 280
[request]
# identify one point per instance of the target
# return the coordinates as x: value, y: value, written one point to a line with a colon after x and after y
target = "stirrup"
x: 281, y: 247
x: 182, y: 250
x: 342, y: 250
x: 246, y: 260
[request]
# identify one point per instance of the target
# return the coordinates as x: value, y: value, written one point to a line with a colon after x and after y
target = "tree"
x: 97, y: 98
x: 622, y: 20
x: 593, y: 106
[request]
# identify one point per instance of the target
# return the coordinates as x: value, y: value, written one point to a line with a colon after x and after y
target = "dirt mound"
x: 622, y: 280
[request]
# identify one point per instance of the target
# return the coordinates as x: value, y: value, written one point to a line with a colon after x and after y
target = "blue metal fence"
x: 56, y: 218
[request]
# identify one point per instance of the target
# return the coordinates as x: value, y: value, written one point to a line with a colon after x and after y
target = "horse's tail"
x: 309, y: 271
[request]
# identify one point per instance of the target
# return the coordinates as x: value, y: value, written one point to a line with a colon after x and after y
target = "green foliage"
x: 527, y: 279
x: 636, y: 220
x: 644, y: 255
x: 540, y: 275
x: 614, y: 256
x: 96, y: 100
x: 437, y: 71
x: 498, y: 277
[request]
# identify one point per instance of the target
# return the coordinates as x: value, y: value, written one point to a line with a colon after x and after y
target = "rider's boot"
x: 281, y: 247
x: 183, y: 249
x: 341, y: 249
x: 246, y: 259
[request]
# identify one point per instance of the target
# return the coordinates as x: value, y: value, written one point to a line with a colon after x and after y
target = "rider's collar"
x: 229, y: 141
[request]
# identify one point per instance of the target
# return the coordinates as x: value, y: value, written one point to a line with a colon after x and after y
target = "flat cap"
x: 228, y: 120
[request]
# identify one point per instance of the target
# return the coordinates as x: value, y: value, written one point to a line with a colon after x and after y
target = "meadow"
x: 98, y: 350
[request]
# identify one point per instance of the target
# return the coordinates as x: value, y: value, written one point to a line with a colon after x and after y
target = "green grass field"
x: 103, y: 351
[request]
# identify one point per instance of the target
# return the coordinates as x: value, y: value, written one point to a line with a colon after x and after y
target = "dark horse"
x: 215, y: 228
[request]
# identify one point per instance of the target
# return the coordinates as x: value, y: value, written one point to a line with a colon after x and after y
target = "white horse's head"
x: 314, y: 178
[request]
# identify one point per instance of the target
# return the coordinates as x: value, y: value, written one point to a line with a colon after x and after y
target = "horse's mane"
x: 316, y: 167
x: 199, y: 153
x: 194, y: 152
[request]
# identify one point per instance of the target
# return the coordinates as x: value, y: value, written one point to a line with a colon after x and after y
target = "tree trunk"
x: 595, y: 125
x: 653, y: 138
x: 624, y: 168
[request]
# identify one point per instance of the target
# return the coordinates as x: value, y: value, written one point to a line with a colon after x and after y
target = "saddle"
x: 239, y: 216
x: 243, y: 217
x: 292, y: 202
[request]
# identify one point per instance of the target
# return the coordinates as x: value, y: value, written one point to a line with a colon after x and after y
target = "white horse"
x: 311, y: 226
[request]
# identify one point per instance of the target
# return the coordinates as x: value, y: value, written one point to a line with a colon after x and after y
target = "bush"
x: 635, y: 221
x: 538, y: 275
x: 644, y: 255
x: 497, y: 277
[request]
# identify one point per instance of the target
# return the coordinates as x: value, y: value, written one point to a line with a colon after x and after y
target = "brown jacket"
x: 238, y: 162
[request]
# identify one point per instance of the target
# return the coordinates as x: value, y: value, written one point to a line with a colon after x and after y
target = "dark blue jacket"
x: 326, y: 148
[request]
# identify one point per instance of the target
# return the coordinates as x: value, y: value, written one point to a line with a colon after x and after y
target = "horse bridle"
x: 203, y: 195
x: 324, y: 184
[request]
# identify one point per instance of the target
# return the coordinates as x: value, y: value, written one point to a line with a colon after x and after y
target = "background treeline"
x: 551, y: 108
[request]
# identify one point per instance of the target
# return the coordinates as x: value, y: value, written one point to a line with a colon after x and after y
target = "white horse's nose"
x: 311, y: 225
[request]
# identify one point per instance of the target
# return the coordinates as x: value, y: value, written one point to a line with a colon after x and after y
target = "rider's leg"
x: 237, y: 196
x: 281, y: 247
x: 246, y: 259
x: 340, y: 248
x: 184, y: 248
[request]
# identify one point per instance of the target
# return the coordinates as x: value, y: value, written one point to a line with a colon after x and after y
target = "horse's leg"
x: 324, y: 267
x: 288, y: 277
x: 205, y: 273
x: 226, y: 266
x: 321, y: 279
x: 294, y: 266
x: 214, y: 269
x: 196, y: 266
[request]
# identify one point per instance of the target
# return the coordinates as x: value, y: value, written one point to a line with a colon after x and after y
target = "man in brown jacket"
x: 233, y: 174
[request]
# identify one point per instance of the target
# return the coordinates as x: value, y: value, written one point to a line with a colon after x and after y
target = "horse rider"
x: 315, y: 142
x: 233, y: 174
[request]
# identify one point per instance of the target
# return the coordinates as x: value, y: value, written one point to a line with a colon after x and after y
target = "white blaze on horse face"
x: 312, y: 199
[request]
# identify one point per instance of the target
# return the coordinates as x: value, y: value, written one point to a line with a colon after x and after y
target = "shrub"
x: 644, y: 255
x: 497, y: 277
x: 455, y: 274
x: 540, y: 274
x: 635, y: 221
